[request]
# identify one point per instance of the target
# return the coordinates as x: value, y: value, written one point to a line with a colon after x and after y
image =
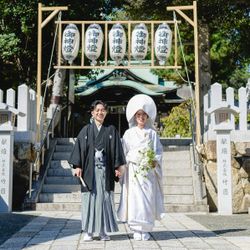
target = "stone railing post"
x: 1, y: 96
x: 216, y: 98
x: 243, y: 109
x: 23, y: 122
x: 11, y: 97
x: 32, y: 97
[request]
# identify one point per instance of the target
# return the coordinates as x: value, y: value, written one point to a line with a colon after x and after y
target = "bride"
x: 141, y: 201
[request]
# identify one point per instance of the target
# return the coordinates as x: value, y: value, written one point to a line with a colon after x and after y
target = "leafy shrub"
x: 177, y: 122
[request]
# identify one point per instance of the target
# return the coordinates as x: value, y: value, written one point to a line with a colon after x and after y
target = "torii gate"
x: 179, y: 9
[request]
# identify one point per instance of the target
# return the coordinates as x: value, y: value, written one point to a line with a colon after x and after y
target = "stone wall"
x: 240, y: 174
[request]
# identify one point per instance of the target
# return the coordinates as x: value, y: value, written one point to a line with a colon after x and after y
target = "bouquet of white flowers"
x: 145, y: 161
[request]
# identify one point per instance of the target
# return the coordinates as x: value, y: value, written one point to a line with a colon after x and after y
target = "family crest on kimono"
x: 97, y: 158
x: 141, y: 201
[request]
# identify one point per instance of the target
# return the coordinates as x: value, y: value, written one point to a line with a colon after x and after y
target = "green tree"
x: 17, y: 42
x: 18, y: 35
x: 228, y: 25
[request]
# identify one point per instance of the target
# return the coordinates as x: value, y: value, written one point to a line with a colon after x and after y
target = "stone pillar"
x: 6, y: 170
x: 223, y: 113
x: 224, y: 172
x: 7, y: 122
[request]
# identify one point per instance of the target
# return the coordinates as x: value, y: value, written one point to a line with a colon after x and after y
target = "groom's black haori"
x: 84, y: 151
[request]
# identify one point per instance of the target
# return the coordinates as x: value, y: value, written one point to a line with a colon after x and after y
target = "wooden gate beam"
x: 41, y: 25
x: 194, y: 23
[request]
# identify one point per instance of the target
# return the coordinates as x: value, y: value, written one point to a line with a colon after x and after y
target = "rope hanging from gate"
x: 50, y: 64
x: 185, y: 64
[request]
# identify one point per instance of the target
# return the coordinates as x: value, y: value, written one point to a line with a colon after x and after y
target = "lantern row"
x: 117, y: 43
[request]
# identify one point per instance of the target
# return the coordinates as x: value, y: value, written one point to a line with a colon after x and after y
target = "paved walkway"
x: 61, y: 231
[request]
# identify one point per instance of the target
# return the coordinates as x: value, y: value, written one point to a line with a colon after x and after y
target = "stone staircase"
x: 182, y: 193
x: 61, y: 189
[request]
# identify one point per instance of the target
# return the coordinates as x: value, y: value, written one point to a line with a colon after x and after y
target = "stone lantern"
x: 223, y: 125
x: 7, y: 117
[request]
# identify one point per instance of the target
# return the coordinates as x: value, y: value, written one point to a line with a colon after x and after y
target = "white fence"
x: 240, y: 133
x: 26, y: 104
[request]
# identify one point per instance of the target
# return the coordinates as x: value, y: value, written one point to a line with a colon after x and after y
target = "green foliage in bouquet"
x: 146, y: 161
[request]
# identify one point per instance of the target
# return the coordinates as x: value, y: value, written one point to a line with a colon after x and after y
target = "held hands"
x: 78, y: 172
x: 119, y: 172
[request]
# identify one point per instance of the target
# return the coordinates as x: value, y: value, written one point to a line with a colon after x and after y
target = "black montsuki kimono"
x: 84, y: 151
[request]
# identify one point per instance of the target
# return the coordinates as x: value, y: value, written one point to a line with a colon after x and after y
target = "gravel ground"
x: 10, y: 223
x: 225, y: 225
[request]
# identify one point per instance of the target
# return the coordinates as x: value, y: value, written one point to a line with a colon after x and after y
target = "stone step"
x: 56, y: 206
x: 60, y: 172
x: 56, y: 188
x: 187, y: 172
x: 60, y: 197
x: 177, y: 180
x: 70, y: 141
x: 178, y: 164
x: 169, y: 181
x: 66, y: 206
x: 173, y: 189
x: 63, y: 180
x: 64, y: 148
x: 117, y: 188
x: 179, y: 199
x: 186, y: 208
x: 173, y: 147
x: 60, y: 164
x: 176, y: 155
x: 61, y: 155
x: 184, y: 189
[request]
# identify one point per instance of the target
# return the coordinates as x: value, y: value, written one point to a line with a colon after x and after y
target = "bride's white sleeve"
x: 158, y: 153
x: 125, y: 145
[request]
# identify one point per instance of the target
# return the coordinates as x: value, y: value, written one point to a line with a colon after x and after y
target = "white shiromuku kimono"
x: 141, y: 201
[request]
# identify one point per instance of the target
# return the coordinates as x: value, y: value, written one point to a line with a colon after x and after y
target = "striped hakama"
x: 98, y: 211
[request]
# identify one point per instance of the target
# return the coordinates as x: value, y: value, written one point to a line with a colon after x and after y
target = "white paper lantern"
x: 93, y: 42
x: 70, y: 43
x: 117, y: 43
x: 163, y: 42
x: 139, y: 45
